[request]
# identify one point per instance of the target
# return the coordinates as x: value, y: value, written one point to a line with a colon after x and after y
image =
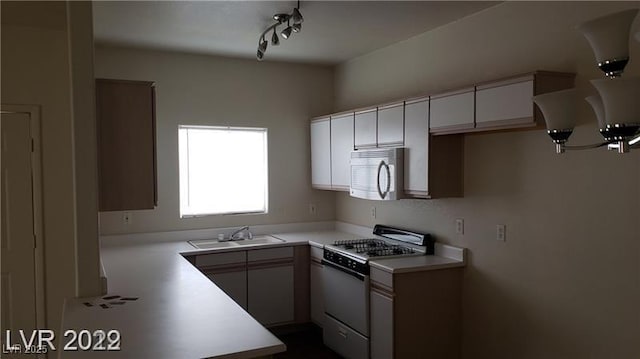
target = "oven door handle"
x: 343, y: 269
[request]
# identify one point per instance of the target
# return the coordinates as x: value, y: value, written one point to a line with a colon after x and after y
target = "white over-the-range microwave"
x: 377, y: 174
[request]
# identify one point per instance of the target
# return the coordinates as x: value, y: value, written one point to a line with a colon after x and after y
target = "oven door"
x: 346, y: 296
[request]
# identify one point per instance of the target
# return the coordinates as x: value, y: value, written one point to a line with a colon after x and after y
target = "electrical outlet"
x: 126, y: 218
x: 501, y: 232
x: 313, y: 209
x: 459, y: 226
x: 373, y: 212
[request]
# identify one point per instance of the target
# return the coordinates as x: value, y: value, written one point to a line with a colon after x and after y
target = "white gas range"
x: 346, y: 284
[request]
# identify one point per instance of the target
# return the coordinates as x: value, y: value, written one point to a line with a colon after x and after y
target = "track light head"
x: 260, y: 55
x: 286, y: 33
x: 296, y: 27
x: 275, y: 41
x: 297, y: 16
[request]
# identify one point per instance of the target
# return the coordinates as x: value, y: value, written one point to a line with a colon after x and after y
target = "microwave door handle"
x: 380, y: 193
x: 378, y: 180
x: 388, y: 179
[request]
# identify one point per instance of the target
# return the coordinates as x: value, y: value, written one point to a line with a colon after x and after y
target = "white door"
x: 17, y: 225
x: 321, y: 154
x: 341, y: 147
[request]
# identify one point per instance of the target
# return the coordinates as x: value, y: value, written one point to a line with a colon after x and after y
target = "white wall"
x: 206, y: 90
x: 566, y: 283
x: 38, y: 60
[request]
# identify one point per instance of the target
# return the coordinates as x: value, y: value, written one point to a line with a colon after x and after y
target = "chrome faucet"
x: 245, y: 228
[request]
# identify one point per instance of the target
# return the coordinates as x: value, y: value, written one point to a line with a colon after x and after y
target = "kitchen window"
x: 223, y: 170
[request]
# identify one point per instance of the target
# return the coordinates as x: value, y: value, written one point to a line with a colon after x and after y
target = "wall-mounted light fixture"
x: 294, y: 24
x: 617, y: 104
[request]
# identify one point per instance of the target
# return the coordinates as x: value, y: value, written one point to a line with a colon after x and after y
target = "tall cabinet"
x: 126, y: 145
x: 340, y: 149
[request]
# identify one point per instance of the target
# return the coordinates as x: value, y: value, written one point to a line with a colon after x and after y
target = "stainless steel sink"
x: 214, y: 243
x: 260, y: 240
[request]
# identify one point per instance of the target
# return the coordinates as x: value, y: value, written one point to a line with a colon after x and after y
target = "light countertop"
x: 180, y: 313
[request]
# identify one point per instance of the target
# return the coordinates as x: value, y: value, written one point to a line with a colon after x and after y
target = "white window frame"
x: 183, y: 190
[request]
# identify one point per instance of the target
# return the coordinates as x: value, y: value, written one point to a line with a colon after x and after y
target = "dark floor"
x: 306, y: 344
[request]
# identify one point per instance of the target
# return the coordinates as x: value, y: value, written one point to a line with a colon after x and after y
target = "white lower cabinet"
x: 315, y: 287
x: 234, y: 284
x: 272, y: 284
x: 416, y: 314
x: 381, y: 325
x: 270, y: 293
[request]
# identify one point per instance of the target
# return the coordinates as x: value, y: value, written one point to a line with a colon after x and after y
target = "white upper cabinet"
x: 505, y: 103
x: 366, y: 128
x: 391, y: 125
x: 416, y: 144
x: 321, y: 153
x: 341, y: 147
x: 452, y: 112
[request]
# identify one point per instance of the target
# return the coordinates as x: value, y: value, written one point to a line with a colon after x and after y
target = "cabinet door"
x: 505, y: 104
x: 365, y: 128
x: 341, y: 147
x: 416, y: 152
x: 452, y: 112
x: 391, y: 125
x: 232, y: 283
x: 125, y: 114
x: 317, y: 294
x: 271, y: 294
x: 321, y: 154
x: 381, y: 325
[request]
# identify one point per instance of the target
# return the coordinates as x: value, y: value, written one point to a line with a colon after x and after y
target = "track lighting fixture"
x: 616, y: 104
x: 295, y: 17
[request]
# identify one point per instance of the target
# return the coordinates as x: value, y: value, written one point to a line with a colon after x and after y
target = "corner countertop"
x: 179, y: 312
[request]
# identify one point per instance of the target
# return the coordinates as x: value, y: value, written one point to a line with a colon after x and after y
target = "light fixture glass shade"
x: 286, y: 33
x: 297, y: 27
x: 598, y: 107
x: 609, y: 39
x: 297, y: 16
x: 558, y: 109
x: 621, y: 100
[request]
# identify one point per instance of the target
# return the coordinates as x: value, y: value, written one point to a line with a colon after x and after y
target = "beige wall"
x: 37, y: 69
x: 205, y: 90
x: 566, y: 283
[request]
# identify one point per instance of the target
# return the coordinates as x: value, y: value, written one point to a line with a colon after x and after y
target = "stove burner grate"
x: 374, y: 247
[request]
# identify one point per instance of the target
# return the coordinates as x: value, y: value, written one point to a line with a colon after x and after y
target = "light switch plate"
x: 459, y: 226
x: 501, y: 232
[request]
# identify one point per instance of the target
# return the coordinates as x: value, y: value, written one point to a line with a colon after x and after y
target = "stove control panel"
x: 346, y: 262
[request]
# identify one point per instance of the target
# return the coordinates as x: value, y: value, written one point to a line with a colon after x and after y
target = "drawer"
x: 221, y: 258
x: 271, y: 253
x: 382, y: 277
x: 344, y: 340
x: 316, y: 252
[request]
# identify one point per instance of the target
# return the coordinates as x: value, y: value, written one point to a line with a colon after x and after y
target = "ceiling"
x: 333, y: 31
